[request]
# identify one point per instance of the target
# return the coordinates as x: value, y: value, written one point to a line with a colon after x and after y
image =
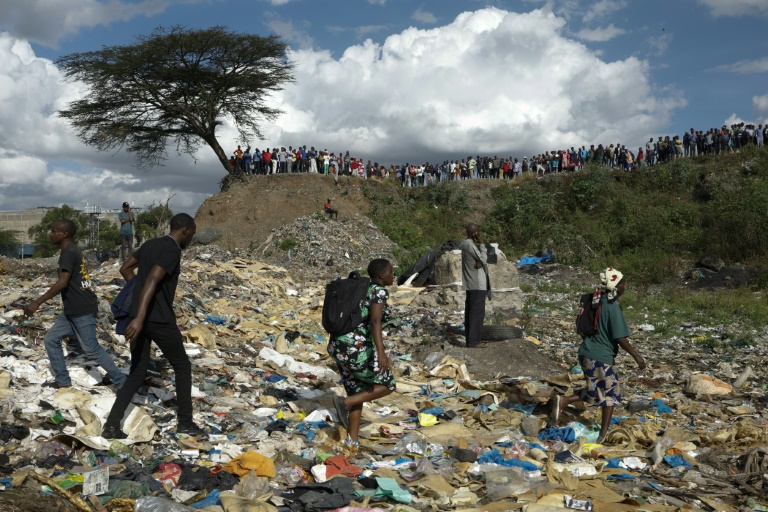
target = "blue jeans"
x: 84, y: 328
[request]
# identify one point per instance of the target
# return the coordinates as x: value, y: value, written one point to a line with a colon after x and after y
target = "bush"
x: 288, y: 243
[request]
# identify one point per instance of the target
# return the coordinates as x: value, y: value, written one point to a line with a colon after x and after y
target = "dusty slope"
x: 247, y: 213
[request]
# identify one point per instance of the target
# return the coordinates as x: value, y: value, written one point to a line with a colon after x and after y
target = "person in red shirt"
x: 329, y: 209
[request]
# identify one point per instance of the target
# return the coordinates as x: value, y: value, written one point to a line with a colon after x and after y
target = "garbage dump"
x: 467, y: 429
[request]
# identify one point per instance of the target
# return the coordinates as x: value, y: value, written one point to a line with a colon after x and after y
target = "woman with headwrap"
x: 598, y: 352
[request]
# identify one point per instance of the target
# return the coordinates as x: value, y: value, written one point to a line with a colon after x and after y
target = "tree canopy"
x: 152, y: 223
x: 9, y: 242
x: 39, y: 232
x: 176, y: 85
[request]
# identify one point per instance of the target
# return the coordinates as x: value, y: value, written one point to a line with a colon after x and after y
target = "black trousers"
x: 474, y: 315
x: 169, y: 340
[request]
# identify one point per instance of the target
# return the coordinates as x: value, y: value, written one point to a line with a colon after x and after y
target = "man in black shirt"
x: 152, y: 319
x: 80, y: 308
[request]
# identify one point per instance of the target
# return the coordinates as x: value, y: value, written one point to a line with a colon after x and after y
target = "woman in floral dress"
x: 360, y: 355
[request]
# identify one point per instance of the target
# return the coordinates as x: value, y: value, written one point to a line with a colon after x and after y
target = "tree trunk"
x: 214, y: 143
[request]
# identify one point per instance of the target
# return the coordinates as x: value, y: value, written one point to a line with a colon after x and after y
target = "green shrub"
x: 288, y: 243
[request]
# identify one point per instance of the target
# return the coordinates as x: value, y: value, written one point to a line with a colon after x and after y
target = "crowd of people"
x: 664, y: 149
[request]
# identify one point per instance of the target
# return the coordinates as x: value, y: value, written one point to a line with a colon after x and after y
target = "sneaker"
x: 342, y: 411
x: 113, y: 432
x: 191, y: 430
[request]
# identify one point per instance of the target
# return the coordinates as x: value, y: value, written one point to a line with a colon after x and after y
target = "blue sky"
x: 394, y: 81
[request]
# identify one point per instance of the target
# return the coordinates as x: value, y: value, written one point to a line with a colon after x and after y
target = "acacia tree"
x: 176, y: 85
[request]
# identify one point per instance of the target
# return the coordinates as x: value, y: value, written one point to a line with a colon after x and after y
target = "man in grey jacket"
x: 474, y: 279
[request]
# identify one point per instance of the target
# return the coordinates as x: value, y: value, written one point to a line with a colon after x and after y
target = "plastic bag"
x: 252, y: 486
x: 583, y: 431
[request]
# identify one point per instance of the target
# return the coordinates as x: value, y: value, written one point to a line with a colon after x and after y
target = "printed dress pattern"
x: 355, y: 353
x: 603, y: 389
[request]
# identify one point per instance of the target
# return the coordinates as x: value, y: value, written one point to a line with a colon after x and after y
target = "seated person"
x: 329, y: 209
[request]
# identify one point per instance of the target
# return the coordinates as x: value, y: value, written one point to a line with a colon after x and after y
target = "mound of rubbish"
x: 458, y: 434
x: 316, y: 247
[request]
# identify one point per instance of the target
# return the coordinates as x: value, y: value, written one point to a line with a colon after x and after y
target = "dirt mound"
x: 247, y: 214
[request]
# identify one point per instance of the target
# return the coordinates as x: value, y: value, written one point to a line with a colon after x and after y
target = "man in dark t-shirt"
x: 80, y: 308
x: 156, y: 267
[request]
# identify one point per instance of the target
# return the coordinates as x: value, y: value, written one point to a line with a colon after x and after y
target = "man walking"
x: 126, y: 231
x: 152, y: 319
x: 80, y: 308
x: 474, y: 279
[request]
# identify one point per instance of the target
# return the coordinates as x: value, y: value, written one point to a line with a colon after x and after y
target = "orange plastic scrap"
x: 251, y: 460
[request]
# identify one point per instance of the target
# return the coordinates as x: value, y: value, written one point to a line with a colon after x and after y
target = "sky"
x: 392, y: 81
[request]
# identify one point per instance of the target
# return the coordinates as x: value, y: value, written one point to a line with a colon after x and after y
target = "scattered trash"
x: 264, y: 391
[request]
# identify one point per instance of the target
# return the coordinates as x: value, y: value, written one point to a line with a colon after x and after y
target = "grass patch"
x: 676, y: 306
x: 288, y: 243
x: 553, y: 287
x: 418, y: 219
x: 649, y: 224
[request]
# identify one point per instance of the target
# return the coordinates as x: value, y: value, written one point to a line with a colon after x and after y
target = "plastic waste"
x: 659, y: 449
x: 582, y: 431
x: 532, y: 426
x: 504, y: 482
x: 252, y: 486
x: 157, y: 504
x: 209, y: 501
x: 639, y: 405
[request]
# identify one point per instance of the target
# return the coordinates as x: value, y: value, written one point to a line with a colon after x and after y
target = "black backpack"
x: 589, y: 313
x: 341, y: 306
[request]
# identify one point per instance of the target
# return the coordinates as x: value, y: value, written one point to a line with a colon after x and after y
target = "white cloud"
x: 760, y: 103
x: 42, y: 22
x: 279, y: 2
x: 737, y: 7
x: 602, y: 8
x: 287, y: 30
x: 745, y: 66
x: 490, y: 81
x: 658, y: 46
x: 567, y: 9
x: 36, y: 143
x: 423, y: 16
x: 377, y: 2
x: 602, y: 34
x: 364, y: 30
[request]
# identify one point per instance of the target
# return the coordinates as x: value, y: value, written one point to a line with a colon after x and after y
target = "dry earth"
x: 248, y: 212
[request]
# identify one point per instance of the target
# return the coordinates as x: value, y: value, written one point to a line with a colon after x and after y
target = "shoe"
x: 113, y: 432
x: 342, y: 411
x: 55, y: 385
x: 554, y: 414
x: 191, y: 430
